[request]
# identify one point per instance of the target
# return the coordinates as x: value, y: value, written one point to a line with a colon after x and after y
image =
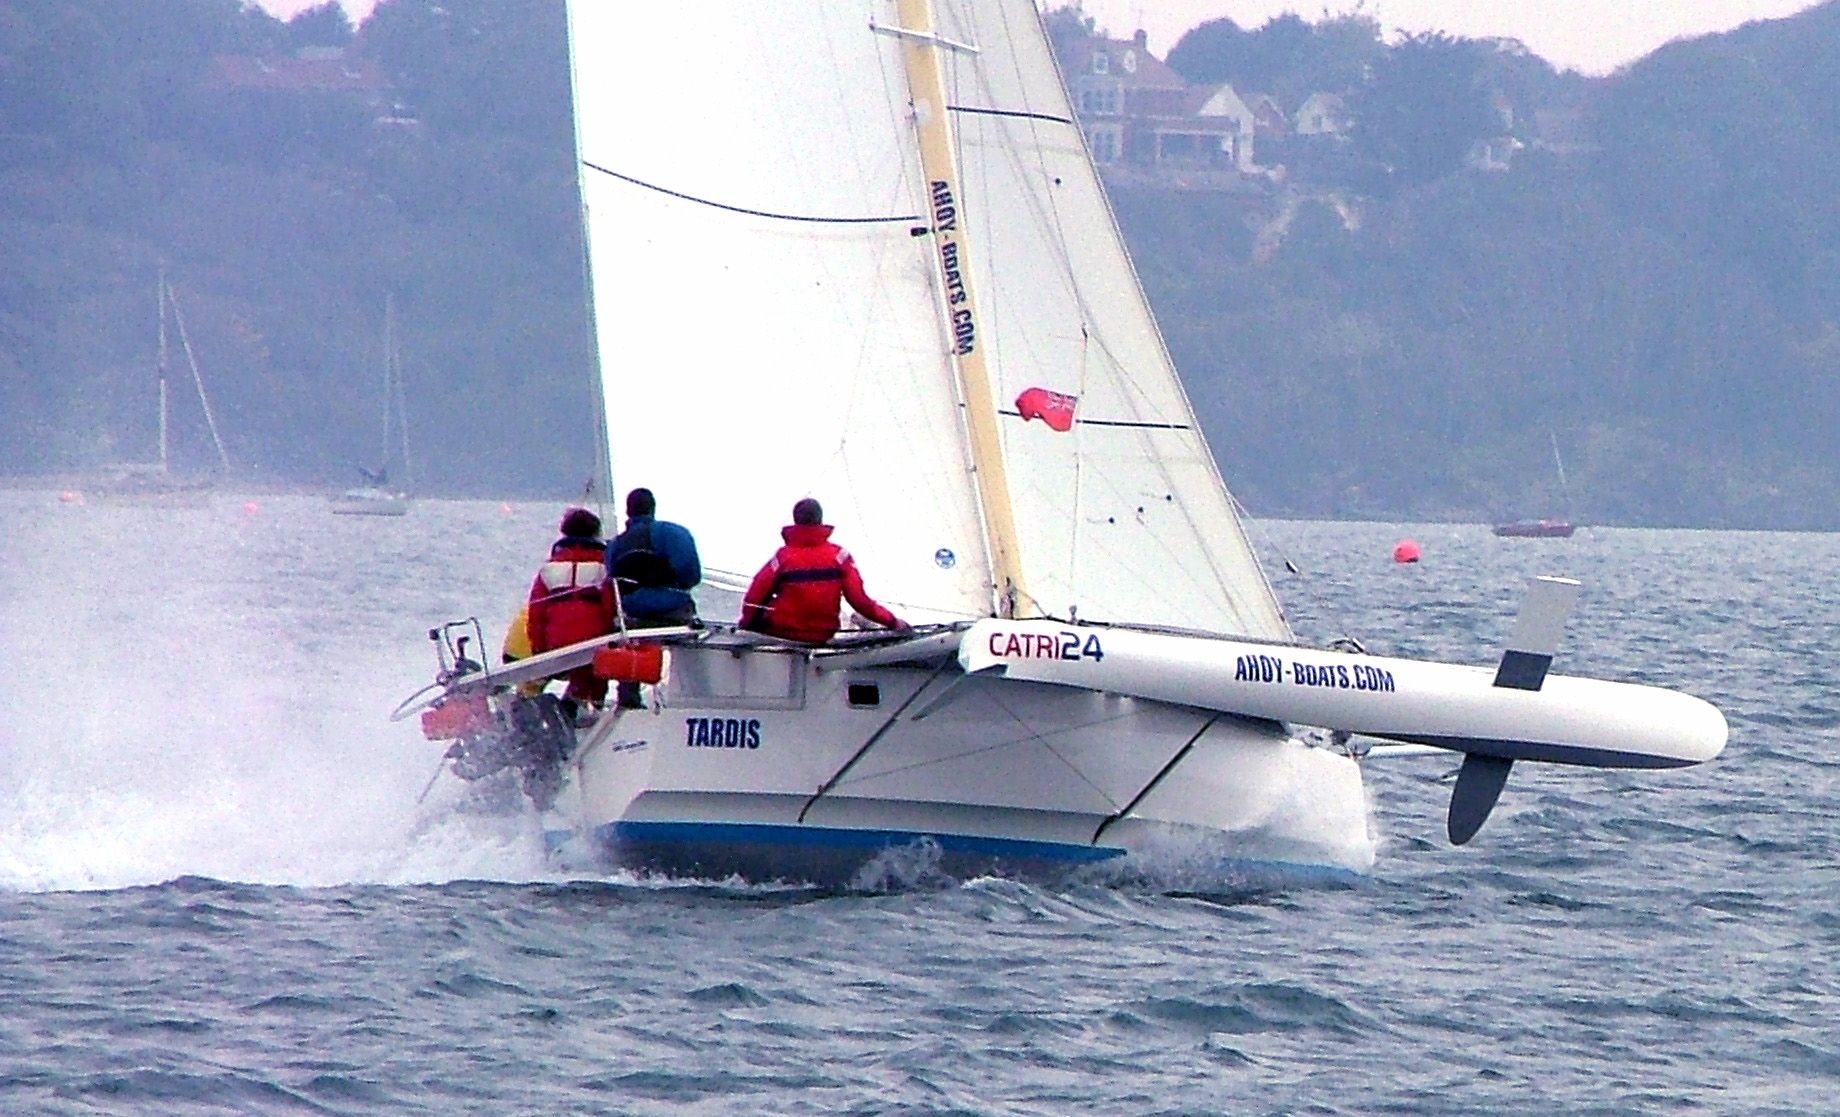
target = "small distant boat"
x: 1536, y: 529
x: 377, y: 496
x: 372, y: 500
x: 155, y: 482
x: 1546, y: 527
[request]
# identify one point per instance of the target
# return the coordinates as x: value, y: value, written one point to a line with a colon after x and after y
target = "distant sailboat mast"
x: 1565, y: 492
x: 402, y: 405
x: 171, y: 298
x: 394, y: 397
x: 946, y: 219
x: 389, y: 401
x: 162, y: 373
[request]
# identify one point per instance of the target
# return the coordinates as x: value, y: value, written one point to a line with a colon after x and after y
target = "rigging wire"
x: 908, y: 218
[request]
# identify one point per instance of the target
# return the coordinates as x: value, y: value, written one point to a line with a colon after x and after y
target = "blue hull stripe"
x: 829, y: 856
x: 841, y: 839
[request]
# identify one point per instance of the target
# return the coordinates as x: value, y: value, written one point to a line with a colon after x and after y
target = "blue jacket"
x: 674, y: 544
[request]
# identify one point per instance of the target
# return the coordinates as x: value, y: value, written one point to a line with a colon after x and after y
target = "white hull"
x: 151, y: 489
x: 365, y: 502
x: 765, y: 763
x: 1042, y: 749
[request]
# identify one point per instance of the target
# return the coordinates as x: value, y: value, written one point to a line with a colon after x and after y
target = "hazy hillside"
x: 1660, y: 296
x: 1661, y: 299
x: 282, y: 218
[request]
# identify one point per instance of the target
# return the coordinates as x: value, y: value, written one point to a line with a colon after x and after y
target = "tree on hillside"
x: 479, y: 67
x: 1711, y: 146
x: 324, y: 26
x: 1286, y: 56
x: 1425, y: 106
x: 1346, y: 47
x: 1216, y: 51
x: 1067, y: 26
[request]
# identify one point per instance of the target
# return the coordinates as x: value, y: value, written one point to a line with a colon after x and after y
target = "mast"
x: 389, y: 380
x: 185, y: 342
x: 926, y: 84
x: 161, y: 369
x: 393, y: 389
x: 1565, y: 495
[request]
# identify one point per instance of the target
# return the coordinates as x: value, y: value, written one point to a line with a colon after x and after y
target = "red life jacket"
x: 569, y: 601
x: 799, y: 593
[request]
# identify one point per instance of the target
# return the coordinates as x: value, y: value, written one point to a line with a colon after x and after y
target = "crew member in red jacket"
x: 569, y: 599
x: 798, y: 593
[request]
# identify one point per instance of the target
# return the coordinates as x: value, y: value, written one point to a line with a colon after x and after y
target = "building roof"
x: 1126, y: 61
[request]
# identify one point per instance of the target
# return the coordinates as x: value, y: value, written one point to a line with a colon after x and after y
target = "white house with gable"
x: 1225, y: 105
x: 1324, y: 114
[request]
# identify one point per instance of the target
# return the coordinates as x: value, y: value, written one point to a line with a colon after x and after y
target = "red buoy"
x: 1405, y: 551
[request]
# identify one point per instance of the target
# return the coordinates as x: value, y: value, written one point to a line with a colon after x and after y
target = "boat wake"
x: 162, y: 771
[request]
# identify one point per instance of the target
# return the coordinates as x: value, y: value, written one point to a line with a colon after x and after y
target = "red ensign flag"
x: 1052, y: 408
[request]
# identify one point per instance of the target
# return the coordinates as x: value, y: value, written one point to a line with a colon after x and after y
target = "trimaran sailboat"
x: 859, y: 251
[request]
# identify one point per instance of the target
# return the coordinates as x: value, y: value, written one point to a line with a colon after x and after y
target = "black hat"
x: 639, y: 502
x: 808, y: 511
x: 581, y: 523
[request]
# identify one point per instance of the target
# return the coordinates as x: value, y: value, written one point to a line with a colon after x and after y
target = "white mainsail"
x: 750, y: 359
x: 772, y: 321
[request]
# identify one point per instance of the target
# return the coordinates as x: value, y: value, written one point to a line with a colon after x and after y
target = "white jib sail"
x: 1124, y: 516
x: 771, y: 328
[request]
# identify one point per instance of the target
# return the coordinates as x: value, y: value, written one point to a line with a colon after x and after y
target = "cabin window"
x: 865, y: 694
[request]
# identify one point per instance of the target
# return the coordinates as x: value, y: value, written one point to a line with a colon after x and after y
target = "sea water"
x: 219, y: 893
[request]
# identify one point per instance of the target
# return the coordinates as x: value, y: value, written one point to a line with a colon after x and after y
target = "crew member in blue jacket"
x: 655, y: 564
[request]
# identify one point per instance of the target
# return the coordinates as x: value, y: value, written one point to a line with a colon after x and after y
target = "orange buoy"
x: 1405, y: 551
x: 250, y: 508
x: 70, y: 496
